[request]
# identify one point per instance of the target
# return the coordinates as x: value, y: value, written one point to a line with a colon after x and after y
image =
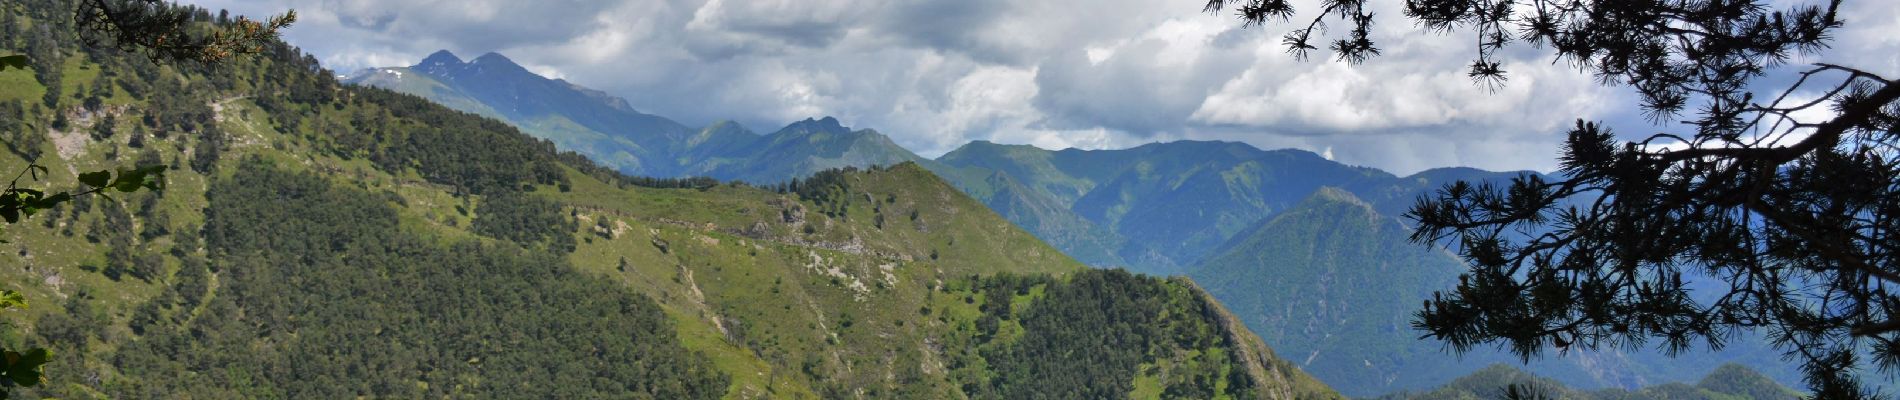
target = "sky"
x: 1097, y: 74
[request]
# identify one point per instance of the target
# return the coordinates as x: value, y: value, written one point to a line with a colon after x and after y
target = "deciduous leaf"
x: 12, y: 299
x: 17, y: 61
x: 98, y: 179
x: 149, y: 177
x: 50, y: 201
x: 24, y: 368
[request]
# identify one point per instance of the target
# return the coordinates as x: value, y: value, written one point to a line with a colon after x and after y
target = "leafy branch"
x: 163, y: 31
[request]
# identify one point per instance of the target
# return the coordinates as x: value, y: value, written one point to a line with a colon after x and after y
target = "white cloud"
x: 935, y: 74
x: 1868, y: 41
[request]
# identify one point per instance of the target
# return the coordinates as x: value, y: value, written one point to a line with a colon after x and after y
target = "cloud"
x: 1145, y: 84
x: 1868, y: 41
x: 936, y: 74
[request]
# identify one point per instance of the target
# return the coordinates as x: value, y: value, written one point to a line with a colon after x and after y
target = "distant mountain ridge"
x: 1332, y: 284
x: 610, y: 131
x: 1175, y: 202
x: 1158, y: 208
x: 591, y: 122
x: 356, y: 242
x: 798, y: 150
x: 1281, y: 236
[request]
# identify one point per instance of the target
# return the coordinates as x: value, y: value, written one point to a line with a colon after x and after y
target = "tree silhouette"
x: 1792, y: 217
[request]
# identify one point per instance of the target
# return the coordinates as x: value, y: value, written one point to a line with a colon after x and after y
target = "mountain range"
x: 321, y: 240
x: 606, y: 129
x: 1333, y: 284
x: 1157, y: 208
x: 1308, y: 252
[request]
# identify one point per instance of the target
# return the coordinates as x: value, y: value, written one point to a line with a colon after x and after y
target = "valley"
x: 1310, y: 253
x: 322, y: 240
x: 481, y: 228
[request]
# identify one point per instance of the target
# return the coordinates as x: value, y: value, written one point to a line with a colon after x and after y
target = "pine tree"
x: 1797, y: 215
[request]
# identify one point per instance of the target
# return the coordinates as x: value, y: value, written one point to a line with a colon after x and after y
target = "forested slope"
x: 319, y: 240
x: 1334, y: 285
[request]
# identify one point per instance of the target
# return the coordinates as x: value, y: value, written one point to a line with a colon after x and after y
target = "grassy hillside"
x: 884, y: 283
x: 319, y: 240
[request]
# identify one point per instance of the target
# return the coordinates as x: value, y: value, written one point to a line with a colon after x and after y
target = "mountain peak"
x: 726, y: 124
x: 440, y: 63
x: 496, y: 66
x: 1331, y: 195
x: 828, y: 123
x: 492, y: 57
x: 440, y: 58
x: 981, y: 149
x: 986, y: 144
x: 808, y: 126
